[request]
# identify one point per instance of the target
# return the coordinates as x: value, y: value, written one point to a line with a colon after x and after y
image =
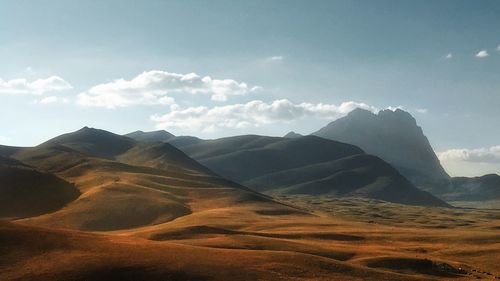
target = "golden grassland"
x: 145, y: 223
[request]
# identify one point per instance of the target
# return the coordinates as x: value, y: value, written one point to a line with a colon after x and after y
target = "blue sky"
x: 264, y: 67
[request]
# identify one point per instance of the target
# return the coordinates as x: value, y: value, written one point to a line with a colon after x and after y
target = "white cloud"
x: 51, y: 100
x: 482, y: 54
x: 251, y: 114
x: 153, y: 87
x: 275, y: 58
x: 421, y: 110
x: 484, y: 155
x: 449, y: 56
x: 37, y: 87
x: 394, y: 108
x: 498, y: 48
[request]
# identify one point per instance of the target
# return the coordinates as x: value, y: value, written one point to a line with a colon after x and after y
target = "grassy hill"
x: 127, y: 184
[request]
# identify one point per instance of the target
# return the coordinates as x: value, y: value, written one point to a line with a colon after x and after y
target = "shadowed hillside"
x: 306, y: 165
x: 26, y: 192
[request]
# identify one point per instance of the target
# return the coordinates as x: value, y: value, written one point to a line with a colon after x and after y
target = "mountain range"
x: 392, y: 136
x: 305, y: 165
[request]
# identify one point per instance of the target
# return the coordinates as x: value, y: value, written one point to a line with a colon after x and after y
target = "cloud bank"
x: 484, y: 155
x: 153, y: 87
x: 251, y: 114
x: 37, y: 87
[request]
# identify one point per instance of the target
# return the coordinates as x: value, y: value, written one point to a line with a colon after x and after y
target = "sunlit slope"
x: 159, y: 184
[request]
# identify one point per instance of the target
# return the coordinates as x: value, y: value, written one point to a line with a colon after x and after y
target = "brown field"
x: 338, y: 240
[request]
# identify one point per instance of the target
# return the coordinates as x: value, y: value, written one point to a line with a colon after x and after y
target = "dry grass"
x: 144, y: 223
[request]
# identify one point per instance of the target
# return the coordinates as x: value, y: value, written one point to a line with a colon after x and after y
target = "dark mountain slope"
x: 26, y: 192
x: 393, y: 136
x: 307, y: 165
x: 245, y: 157
x: 359, y: 175
x: 7, y: 151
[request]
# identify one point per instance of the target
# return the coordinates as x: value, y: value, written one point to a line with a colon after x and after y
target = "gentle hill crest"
x: 150, y: 137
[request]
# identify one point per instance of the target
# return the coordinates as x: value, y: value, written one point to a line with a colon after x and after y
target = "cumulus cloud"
x: 421, y: 110
x: 482, y: 54
x: 51, y: 100
x: 153, y: 87
x: 251, y: 114
x: 37, y: 87
x: 449, y: 56
x: 484, y: 155
x: 275, y: 58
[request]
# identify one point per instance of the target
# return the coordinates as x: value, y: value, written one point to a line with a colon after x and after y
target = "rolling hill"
x: 127, y: 184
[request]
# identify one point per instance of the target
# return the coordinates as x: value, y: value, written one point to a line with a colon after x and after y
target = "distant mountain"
x: 292, y: 135
x: 162, y: 136
x: 393, y: 136
x: 306, y: 165
x: 26, y: 192
x: 162, y: 156
x: 482, y: 188
x: 150, y: 137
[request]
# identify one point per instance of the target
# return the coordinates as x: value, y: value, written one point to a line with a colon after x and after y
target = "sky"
x: 222, y: 68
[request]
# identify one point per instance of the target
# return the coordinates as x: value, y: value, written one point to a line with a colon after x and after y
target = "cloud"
x: 483, y: 155
x: 37, y: 87
x: 498, y: 48
x: 449, y: 56
x: 251, y: 114
x: 153, y: 87
x: 482, y: 54
x: 275, y: 58
x: 51, y: 100
x: 421, y: 110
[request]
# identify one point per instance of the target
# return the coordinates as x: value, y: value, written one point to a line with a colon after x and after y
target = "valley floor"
x: 342, y: 239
